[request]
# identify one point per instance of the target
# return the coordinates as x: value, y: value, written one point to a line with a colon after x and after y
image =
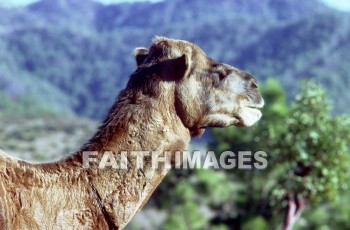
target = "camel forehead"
x: 178, y: 47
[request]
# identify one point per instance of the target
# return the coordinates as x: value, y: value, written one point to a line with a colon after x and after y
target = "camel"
x: 176, y: 92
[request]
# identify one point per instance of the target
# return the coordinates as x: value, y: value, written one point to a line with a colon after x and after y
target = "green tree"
x: 314, y: 150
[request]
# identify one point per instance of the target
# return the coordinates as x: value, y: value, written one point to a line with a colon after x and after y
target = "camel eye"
x: 222, y: 75
x: 219, y: 71
x: 219, y: 75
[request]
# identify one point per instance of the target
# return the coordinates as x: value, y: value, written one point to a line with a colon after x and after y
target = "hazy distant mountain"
x: 83, y: 48
x: 315, y: 47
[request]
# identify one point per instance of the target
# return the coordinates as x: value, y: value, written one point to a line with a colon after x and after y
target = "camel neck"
x: 133, y: 124
x: 140, y: 123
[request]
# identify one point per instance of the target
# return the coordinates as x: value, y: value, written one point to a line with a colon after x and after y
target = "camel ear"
x: 180, y: 67
x: 140, y: 55
x: 187, y: 61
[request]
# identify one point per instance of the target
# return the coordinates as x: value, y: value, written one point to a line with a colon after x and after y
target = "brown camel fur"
x: 174, y: 94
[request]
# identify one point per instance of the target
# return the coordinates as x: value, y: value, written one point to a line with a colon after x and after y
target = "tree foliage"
x: 314, y: 148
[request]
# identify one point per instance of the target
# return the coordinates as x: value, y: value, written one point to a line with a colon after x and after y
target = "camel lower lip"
x: 256, y: 109
x: 247, y: 118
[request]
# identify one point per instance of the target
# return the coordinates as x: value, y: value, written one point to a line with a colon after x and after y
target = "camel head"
x: 207, y: 93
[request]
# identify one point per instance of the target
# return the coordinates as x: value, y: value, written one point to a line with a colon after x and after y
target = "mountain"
x: 63, y: 11
x: 80, y: 50
x: 315, y: 47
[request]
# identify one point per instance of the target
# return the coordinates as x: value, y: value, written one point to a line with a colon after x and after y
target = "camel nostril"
x: 254, y: 85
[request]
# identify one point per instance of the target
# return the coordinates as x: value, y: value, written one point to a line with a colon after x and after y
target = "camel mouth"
x: 257, y: 103
x: 258, y: 106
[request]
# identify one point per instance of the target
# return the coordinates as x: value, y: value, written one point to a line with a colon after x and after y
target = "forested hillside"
x: 44, y: 138
x: 73, y: 56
